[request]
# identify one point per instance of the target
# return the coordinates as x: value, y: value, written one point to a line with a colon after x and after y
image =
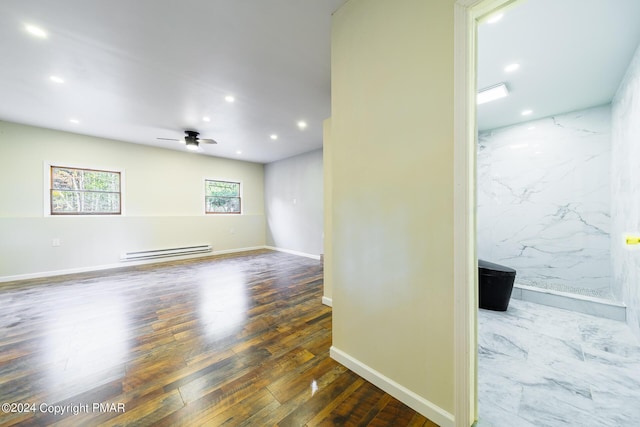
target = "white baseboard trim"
x: 327, y: 301
x: 403, y: 394
x: 233, y: 251
x: 65, y: 271
x: 289, y: 251
x: 52, y: 273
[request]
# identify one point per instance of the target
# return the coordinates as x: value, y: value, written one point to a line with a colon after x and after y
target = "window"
x: 76, y: 191
x: 222, y: 197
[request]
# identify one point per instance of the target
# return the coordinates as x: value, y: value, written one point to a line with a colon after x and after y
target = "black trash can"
x: 495, y: 285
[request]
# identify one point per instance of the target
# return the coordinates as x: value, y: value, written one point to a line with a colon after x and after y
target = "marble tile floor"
x: 542, y: 366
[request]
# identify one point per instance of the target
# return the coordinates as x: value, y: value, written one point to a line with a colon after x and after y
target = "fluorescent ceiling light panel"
x: 492, y: 93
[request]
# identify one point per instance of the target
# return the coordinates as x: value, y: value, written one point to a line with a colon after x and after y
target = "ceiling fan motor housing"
x: 191, y: 139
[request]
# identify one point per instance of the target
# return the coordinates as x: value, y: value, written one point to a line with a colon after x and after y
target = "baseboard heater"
x: 160, y: 253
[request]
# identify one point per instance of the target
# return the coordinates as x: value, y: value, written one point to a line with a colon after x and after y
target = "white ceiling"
x: 136, y: 70
x: 572, y: 55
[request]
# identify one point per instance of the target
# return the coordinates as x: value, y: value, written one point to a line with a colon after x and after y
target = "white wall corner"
x: 327, y: 301
x: 403, y: 394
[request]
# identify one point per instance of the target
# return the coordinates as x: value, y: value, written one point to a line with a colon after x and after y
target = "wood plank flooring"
x: 235, y: 340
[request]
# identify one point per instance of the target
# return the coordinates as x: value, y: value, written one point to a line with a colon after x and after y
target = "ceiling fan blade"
x: 207, y: 141
x: 169, y: 139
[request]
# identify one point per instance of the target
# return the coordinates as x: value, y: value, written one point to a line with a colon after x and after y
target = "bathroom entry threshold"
x: 579, y: 303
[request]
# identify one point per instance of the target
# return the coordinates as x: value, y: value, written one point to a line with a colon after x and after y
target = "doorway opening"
x: 547, y: 206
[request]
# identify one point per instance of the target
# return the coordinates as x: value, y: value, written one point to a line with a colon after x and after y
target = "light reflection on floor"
x: 223, y: 303
x: 85, y: 338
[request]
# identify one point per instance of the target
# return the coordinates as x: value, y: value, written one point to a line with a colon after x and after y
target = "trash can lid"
x: 490, y: 266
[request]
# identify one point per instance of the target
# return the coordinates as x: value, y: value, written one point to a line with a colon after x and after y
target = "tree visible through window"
x: 222, y: 197
x: 84, y: 192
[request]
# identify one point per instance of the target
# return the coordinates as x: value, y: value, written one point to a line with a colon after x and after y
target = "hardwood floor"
x: 238, y: 340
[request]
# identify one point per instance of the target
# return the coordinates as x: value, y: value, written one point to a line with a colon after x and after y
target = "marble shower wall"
x: 543, y: 190
x: 625, y: 191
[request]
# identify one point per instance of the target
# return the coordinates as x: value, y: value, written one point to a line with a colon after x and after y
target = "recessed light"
x: 36, y: 31
x: 238, y: 152
x: 302, y: 124
x: 56, y: 79
x: 492, y: 93
x: 273, y: 136
x: 229, y: 98
x: 531, y: 128
x: 495, y: 18
x: 74, y: 121
x: 206, y: 119
x: 526, y: 112
x: 511, y: 67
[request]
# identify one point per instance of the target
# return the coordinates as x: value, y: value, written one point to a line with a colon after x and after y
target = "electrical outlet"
x: 55, y: 242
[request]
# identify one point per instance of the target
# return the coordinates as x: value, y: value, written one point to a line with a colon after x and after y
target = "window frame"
x: 48, y: 188
x: 239, y: 197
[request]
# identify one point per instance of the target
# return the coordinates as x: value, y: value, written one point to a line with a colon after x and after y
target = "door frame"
x: 467, y: 15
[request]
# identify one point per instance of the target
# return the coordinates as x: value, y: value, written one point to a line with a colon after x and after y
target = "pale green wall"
x: 392, y: 172
x: 163, y: 202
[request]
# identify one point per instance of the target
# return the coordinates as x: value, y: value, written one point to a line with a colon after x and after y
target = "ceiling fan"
x: 191, y: 140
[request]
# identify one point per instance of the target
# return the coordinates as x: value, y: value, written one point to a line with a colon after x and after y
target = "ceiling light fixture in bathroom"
x: 492, y: 93
x: 511, y: 67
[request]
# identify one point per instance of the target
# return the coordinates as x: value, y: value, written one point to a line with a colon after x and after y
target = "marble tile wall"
x: 543, y: 191
x: 625, y: 191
